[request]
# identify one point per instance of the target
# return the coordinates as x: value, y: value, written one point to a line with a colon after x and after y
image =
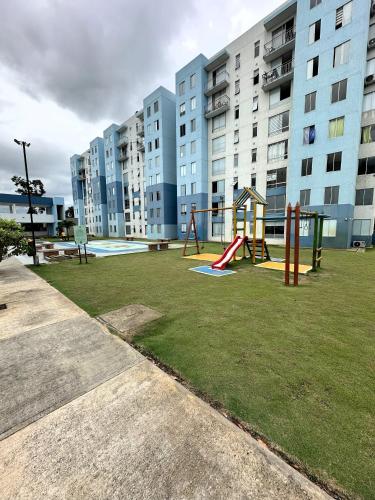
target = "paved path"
x: 84, y: 415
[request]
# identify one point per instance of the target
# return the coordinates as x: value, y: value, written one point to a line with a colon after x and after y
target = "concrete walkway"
x: 84, y: 415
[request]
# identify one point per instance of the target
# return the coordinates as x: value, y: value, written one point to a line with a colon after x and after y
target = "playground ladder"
x: 258, y: 249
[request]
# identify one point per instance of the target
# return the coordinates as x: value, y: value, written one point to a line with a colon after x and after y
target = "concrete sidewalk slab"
x: 44, y: 368
x: 141, y: 435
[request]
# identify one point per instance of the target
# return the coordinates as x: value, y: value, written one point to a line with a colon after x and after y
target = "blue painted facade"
x: 77, y: 188
x: 98, y: 182
x: 350, y: 108
x: 192, y: 168
x: 160, y: 163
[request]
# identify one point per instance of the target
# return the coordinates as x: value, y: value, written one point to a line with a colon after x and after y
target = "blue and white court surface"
x: 104, y: 248
x: 212, y: 272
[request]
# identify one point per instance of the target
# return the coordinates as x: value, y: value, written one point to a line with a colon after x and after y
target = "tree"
x: 36, y: 186
x: 69, y: 213
x: 12, y: 239
x: 67, y: 223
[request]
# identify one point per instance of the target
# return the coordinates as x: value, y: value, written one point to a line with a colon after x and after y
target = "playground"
x: 293, y: 363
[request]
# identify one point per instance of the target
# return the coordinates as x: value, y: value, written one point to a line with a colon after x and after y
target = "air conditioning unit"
x: 371, y: 43
x: 372, y: 8
x: 359, y: 244
x: 369, y: 80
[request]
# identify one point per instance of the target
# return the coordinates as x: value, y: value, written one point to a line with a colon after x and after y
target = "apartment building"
x: 99, y: 225
x: 160, y: 162
x: 286, y: 113
x: 80, y: 166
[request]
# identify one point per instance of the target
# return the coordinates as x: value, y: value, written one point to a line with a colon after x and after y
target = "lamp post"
x: 25, y: 145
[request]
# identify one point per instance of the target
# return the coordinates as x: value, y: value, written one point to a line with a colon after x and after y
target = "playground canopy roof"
x: 249, y: 193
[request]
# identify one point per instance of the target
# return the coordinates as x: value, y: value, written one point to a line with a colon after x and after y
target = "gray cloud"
x: 93, y: 57
x: 45, y: 162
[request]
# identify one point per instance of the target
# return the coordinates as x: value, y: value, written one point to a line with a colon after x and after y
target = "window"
x: 237, y: 87
x: 156, y: 106
x: 193, y: 167
x: 182, y: 109
x: 218, y: 186
x: 254, y: 155
x: 149, y: 128
x: 304, y: 197
x: 181, y: 88
x: 331, y: 195
x: 338, y: 91
x: 235, y: 160
x: 329, y: 228
x: 193, y: 188
x: 276, y: 203
x: 276, y: 178
x: 362, y: 227
x: 256, y: 48
x: 218, y: 144
x: 182, y: 130
x: 236, y: 112
x: 278, y: 123
x: 256, y: 77
x: 193, y: 147
x: 279, y: 94
x: 254, y: 180
x: 193, y: 206
x: 218, y: 166
x: 275, y: 230
x: 235, y: 183
x: 306, y: 167
x: 183, y: 227
x: 277, y: 151
x: 157, y: 161
x: 183, y: 190
x: 157, y: 179
x: 158, y: 212
x: 193, y: 125
x: 314, y: 3
x: 183, y: 209
x: 182, y: 150
x: 218, y: 122
x: 343, y: 15
x: 182, y: 170
x: 255, y: 129
x: 237, y: 63
x: 193, y: 103
x: 156, y: 125
x: 364, y: 196
x: 366, y: 165
x: 334, y: 161
x: 314, y: 32
x: 341, y: 54
x: 310, y: 102
x: 255, y: 103
x: 336, y: 127
x: 312, y: 67
x: 309, y: 135
x: 158, y: 196
x: 236, y: 138
x: 157, y: 143
x: 369, y: 101
x: 148, y: 111
x: 193, y: 80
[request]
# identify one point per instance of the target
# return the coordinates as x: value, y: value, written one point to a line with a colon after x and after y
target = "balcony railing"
x: 81, y: 174
x: 278, y: 73
x: 123, y: 139
x: 217, y: 106
x: 123, y: 156
x: 280, y: 40
x: 141, y: 130
x: 217, y: 83
x: 140, y: 145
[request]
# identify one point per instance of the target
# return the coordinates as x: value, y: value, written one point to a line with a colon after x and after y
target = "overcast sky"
x: 69, y: 68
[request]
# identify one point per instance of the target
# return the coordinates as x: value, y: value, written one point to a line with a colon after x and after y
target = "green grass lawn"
x: 295, y: 363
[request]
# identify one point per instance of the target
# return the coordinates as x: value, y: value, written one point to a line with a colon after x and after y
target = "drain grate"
x: 3, y: 306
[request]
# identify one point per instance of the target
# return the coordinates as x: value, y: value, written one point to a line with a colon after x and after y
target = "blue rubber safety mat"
x: 211, y: 272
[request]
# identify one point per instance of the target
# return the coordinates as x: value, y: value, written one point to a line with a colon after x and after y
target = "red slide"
x: 229, y: 252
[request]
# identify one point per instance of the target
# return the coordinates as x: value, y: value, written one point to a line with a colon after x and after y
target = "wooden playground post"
x: 244, y: 233
x: 254, y: 231
x: 287, y: 243
x: 320, y: 240
x: 297, y: 210
x: 315, y: 242
x: 263, y: 229
x: 191, y: 225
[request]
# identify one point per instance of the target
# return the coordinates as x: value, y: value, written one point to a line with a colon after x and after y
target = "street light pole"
x: 25, y: 144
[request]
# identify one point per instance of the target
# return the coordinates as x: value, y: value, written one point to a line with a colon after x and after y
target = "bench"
x: 49, y: 246
x: 157, y: 245
x: 129, y: 238
x: 70, y: 251
x: 50, y: 253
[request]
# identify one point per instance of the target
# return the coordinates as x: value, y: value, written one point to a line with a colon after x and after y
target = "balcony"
x: 139, y: 114
x: 279, y: 45
x: 141, y: 130
x: 123, y: 139
x: 217, y: 60
x: 217, y: 106
x: 81, y: 174
x: 219, y: 82
x: 140, y: 145
x: 123, y: 156
x: 278, y: 75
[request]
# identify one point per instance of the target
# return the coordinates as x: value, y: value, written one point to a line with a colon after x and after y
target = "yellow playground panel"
x: 280, y: 266
x: 210, y: 257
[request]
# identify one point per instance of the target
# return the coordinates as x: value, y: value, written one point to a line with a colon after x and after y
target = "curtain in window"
x: 366, y: 135
x: 276, y: 151
x: 336, y: 128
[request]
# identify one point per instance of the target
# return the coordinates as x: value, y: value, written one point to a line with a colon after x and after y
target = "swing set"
x: 257, y: 247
